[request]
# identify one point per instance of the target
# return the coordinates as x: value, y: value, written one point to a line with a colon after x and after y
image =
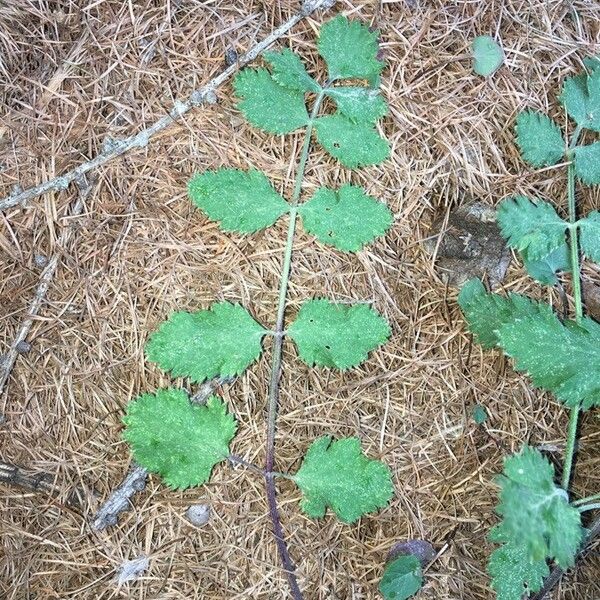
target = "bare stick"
x: 141, y: 139
x: 20, y: 343
x: 135, y: 480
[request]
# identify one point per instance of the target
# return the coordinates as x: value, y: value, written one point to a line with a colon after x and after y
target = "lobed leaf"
x: 402, y: 578
x: 349, y: 49
x: 222, y: 341
x: 587, y: 163
x: 544, y: 269
x: 353, y: 144
x: 488, y: 55
x: 590, y: 236
x: 539, y: 139
x: 290, y: 72
x: 346, y: 219
x: 359, y: 104
x: 242, y: 201
x: 337, y: 335
x: 179, y: 441
x: 536, y: 513
x: 531, y: 226
x: 581, y: 99
x: 268, y: 105
x: 338, y: 475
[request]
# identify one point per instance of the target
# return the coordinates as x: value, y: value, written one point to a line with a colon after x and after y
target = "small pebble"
x: 198, y: 514
x: 23, y: 347
x: 40, y: 260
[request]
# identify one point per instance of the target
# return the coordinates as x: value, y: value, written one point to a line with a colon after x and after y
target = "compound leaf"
x: 487, y: 313
x: 338, y: 475
x: 242, y: 201
x: 402, y: 578
x: 346, y: 219
x: 512, y: 571
x: 581, y: 98
x: 539, y: 139
x: 544, y: 269
x: 488, y: 55
x: 268, y: 105
x: 587, y: 163
x: 359, y: 104
x: 337, y: 335
x: 535, y: 512
x: 353, y: 144
x: 590, y: 235
x: 349, y: 49
x: 222, y: 341
x: 290, y: 72
x: 530, y: 226
x: 180, y: 441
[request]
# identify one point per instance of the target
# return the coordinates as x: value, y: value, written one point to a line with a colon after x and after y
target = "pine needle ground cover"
x: 142, y: 250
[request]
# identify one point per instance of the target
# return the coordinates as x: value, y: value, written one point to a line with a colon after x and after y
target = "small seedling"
x: 540, y: 521
x: 183, y: 442
x: 488, y: 55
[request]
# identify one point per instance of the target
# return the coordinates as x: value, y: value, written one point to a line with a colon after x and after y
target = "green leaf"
x: 590, y: 236
x: 242, y: 201
x: 402, y: 578
x: 180, y: 441
x: 338, y: 475
x: 337, y: 335
x: 268, y: 105
x: 347, y: 218
x: 290, y: 72
x: 488, y: 55
x: 221, y: 341
x: 531, y: 226
x: 479, y: 414
x: 561, y: 358
x: 349, y: 49
x: 544, y: 270
x: 513, y: 572
x: 539, y: 139
x: 487, y: 313
x: 581, y: 98
x: 592, y: 62
x: 359, y: 104
x: 353, y: 144
x: 587, y: 163
x: 536, y: 513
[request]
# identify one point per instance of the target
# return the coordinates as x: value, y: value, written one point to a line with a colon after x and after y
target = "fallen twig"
x: 20, y: 343
x: 205, y: 94
x: 135, y: 480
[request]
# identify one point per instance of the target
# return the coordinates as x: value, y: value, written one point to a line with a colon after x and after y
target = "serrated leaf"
x: 337, y: 335
x: 487, y: 313
x: 587, y: 163
x: 536, y: 513
x: 539, y: 139
x: 222, y: 341
x: 179, y: 441
x: 268, y: 105
x: 242, y: 201
x: 581, y: 98
x: 512, y: 571
x: 592, y: 62
x: 530, y: 226
x: 346, y: 219
x: 359, y: 104
x: 402, y: 578
x: 488, y: 55
x: 590, y: 236
x: 290, y: 72
x: 353, y: 144
x: 349, y: 49
x: 561, y: 358
x: 544, y: 270
x: 336, y: 474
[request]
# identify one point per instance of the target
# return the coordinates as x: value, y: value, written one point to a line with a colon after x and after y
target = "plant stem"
x: 273, y: 399
x: 586, y: 507
x: 586, y: 499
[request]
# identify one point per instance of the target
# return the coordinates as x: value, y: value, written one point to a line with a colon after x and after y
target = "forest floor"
x: 74, y: 73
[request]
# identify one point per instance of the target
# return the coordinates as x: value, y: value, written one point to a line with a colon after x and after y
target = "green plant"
x: 182, y: 442
x: 540, y: 522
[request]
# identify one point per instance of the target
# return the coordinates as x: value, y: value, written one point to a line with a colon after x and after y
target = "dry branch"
x: 205, y: 94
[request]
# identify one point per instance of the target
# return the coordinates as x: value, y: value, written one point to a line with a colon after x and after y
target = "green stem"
x: 586, y: 500
x: 273, y: 399
x: 576, y: 276
x: 586, y: 507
